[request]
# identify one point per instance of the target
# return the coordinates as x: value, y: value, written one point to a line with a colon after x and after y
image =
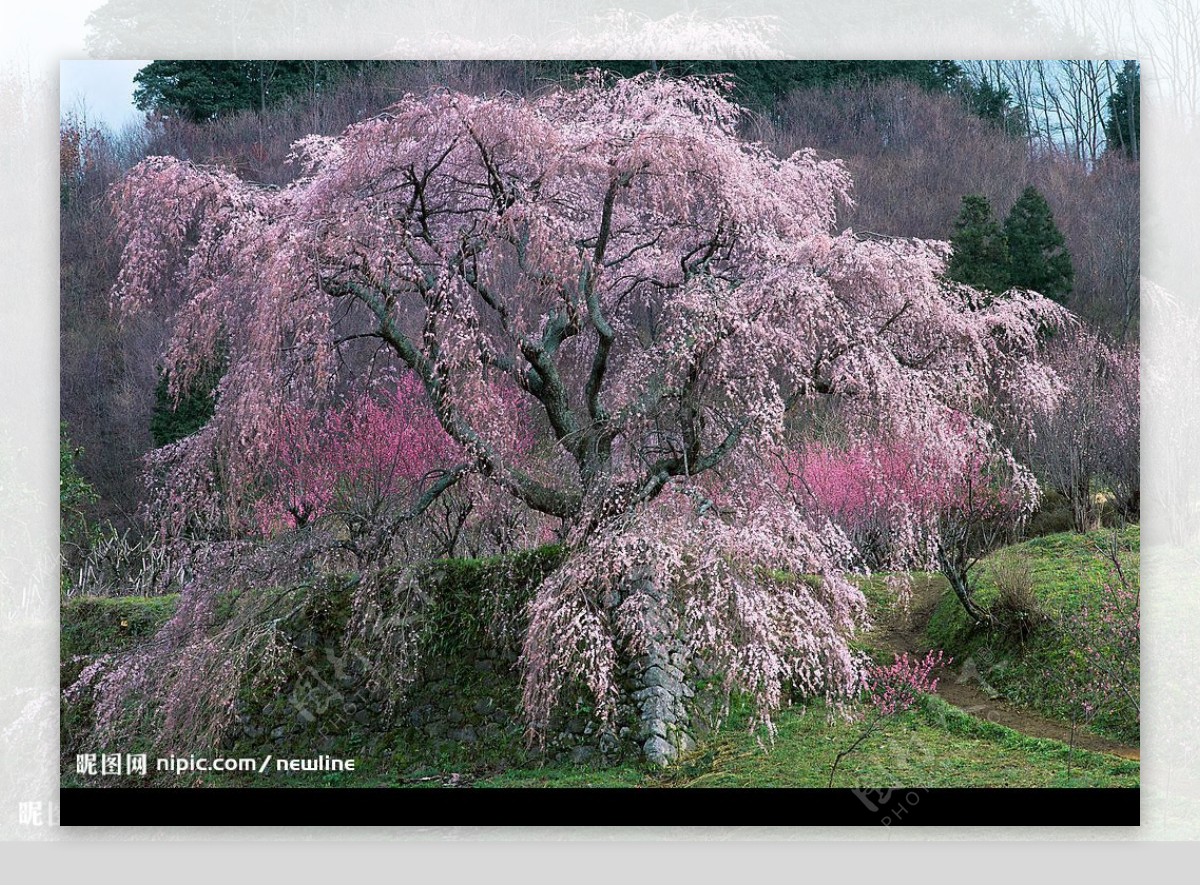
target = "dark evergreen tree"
x: 980, y: 257
x: 171, y: 421
x: 1037, y: 251
x: 760, y: 84
x: 995, y: 104
x: 1122, y: 128
x: 204, y: 90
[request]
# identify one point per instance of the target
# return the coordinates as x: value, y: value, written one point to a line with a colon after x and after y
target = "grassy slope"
x: 91, y: 625
x: 933, y: 745
x: 1067, y: 572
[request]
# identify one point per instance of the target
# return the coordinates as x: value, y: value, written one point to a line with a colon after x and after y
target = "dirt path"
x: 962, y: 687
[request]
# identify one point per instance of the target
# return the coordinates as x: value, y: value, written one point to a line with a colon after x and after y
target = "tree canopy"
x: 994, y: 102
x: 1123, y: 125
x: 980, y: 257
x: 204, y: 90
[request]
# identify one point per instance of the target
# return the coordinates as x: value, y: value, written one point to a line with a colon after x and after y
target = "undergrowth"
x: 1033, y: 667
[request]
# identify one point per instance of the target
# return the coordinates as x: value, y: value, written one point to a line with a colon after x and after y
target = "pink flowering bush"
x: 353, y: 459
x: 871, y: 489
x: 891, y: 690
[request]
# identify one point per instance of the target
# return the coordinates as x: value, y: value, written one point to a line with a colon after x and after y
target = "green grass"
x: 933, y: 745
x: 1068, y: 571
x: 91, y: 626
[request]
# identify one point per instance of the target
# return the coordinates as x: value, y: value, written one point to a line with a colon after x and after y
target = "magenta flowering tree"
x: 353, y: 459
x: 610, y: 302
x: 366, y: 461
x: 871, y: 489
x: 1109, y: 634
x: 937, y: 503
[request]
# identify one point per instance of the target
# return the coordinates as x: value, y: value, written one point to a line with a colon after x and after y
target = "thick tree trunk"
x: 962, y: 590
x: 953, y: 563
x: 657, y: 681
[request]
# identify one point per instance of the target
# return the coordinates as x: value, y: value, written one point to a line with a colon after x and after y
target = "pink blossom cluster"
x: 895, y: 495
x: 358, y: 456
x: 895, y: 688
x: 732, y: 585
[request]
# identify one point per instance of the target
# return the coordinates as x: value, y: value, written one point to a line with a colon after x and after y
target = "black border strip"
x: 694, y: 807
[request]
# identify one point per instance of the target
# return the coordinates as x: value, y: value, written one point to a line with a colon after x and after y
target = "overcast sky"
x: 104, y: 87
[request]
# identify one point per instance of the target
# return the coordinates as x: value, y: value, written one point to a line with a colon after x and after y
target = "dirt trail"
x: 961, y: 686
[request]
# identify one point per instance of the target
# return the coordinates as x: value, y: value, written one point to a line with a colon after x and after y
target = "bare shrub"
x: 1016, y: 611
x: 121, y: 565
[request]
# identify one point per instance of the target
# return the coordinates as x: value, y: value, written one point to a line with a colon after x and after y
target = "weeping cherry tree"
x: 612, y: 304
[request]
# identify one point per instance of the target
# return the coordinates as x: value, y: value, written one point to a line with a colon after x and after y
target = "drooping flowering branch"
x: 1089, y: 440
x: 910, y: 502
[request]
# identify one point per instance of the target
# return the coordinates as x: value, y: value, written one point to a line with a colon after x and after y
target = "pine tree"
x: 1123, y: 129
x: 980, y: 256
x: 1038, y: 256
x: 201, y: 91
x: 996, y: 105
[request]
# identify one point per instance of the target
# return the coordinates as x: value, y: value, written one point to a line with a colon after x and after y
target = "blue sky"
x: 104, y: 87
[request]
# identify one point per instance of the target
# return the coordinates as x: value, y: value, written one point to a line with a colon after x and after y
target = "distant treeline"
x: 201, y: 91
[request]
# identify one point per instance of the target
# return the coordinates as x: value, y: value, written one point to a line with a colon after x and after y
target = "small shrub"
x: 1053, y: 515
x: 891, y: 690
x: 1016, y: 610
